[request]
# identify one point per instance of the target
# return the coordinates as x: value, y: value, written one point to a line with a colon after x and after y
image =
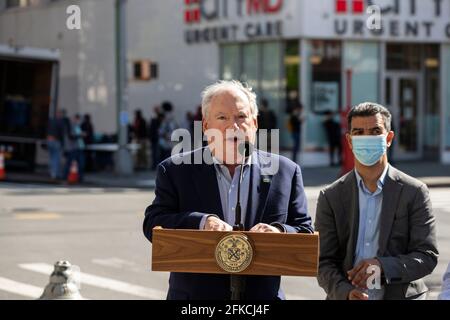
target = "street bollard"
x: 62, y: 285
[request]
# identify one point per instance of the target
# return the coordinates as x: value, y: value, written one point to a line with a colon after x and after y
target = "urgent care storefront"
x: 323, y: 54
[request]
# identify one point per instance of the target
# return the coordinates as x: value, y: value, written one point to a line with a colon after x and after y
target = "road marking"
x: 20, y: 288
x: 102, y: 282
x: 37, y: 216
x: 117, y: 263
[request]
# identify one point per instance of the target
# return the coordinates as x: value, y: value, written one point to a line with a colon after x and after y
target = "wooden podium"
x: 276, y: 254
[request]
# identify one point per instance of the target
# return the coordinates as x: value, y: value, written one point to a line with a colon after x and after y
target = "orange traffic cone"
x: 2, y: 166
x: 73, y: 174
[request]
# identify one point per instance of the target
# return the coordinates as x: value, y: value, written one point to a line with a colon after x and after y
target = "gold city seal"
x: 234, y: 253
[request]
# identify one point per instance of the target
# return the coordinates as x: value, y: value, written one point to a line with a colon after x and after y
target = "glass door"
x: 403, y: 98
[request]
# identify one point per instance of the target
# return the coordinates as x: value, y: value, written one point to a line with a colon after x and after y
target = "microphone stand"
x: 237, y: 282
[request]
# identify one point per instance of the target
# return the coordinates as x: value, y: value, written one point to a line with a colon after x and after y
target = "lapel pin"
x: 266, y: 179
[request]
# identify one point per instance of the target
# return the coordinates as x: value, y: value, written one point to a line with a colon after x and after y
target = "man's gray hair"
x: 225, y: 85
x: 368, y: 109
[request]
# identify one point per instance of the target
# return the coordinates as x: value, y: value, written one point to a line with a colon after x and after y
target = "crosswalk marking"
x: 117, y: 263
x: 20, y: 288
x: 102, y: 282
x: 37, y: 216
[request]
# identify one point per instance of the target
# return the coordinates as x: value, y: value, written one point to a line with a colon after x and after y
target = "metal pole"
x: 123, y: 163
x: 347, y: 155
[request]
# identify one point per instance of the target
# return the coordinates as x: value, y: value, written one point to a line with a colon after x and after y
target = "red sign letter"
x: 341, y: 6
x: 358, y: 6
x: 253, y: 6
x: 272, y: 7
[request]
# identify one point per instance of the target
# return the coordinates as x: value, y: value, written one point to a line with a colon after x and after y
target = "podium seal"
x: 234, y: 253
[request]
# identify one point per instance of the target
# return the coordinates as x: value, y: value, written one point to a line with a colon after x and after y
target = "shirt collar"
x: 219, y: 163
x: 222, y: 170
x: 380, y: 182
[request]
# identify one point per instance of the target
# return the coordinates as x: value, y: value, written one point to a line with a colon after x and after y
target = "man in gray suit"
x: 376, y: 222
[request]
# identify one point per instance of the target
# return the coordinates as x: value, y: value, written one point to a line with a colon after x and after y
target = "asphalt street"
x: 100, y: 231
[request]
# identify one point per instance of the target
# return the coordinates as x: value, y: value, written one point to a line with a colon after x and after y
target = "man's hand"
x: 355, y: 294
x: 262, y: 227
x: 215, y: 224
x: 358, y: 275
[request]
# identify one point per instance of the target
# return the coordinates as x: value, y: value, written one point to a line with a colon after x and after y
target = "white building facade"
x: 321, y: 53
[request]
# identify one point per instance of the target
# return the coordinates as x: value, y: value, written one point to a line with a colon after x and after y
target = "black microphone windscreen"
x: 245, y: 149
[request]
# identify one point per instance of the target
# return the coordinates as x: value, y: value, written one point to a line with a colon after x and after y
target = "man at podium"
x: 199, y: 190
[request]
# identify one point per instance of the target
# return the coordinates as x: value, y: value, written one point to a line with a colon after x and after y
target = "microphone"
x: 237, y: 283
x: 245, y: 149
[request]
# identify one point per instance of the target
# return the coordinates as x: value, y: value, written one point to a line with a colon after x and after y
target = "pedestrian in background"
x: 74, y: 147
x: 267, y: 120
x: 189, y: 122
x: 168, y: 125
x: 333, y: 133
x: 139, y: 134
x: 296, y: 120
x: 55, y: 143
x: 88, y: 137
x: 153, y: 133
x: 198, y: 118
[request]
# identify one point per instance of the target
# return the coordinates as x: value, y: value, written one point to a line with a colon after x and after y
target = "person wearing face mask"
x: 376, y: 225
x: 198, y: 190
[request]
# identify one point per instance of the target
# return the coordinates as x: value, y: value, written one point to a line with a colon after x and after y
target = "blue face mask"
x: 369, y: 149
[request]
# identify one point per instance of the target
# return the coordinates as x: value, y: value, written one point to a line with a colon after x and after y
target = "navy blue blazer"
x: 185, y: 192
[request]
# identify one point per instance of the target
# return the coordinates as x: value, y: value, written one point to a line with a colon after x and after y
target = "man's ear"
x: 204, y: 125
x: 349, y: 140
x: 390, y: 137
x: 256, y: 123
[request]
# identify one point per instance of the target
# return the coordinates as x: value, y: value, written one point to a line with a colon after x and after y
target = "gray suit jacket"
x: 407, y: 243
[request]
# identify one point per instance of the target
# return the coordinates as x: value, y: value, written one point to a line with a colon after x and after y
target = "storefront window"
x: 432, y: 102
x: 362, y: 58
x: 271, y: 77
x: 257, y: 64
x: 260, y: 66
x: 250, y: 58
x: 292, y: 72
x: 324, y: 59
x: 403, y: 56
x: 326, y: 68
x: 291, y: 83
x: 230, y: 66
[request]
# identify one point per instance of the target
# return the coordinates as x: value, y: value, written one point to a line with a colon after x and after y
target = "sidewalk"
x: 432, y: 173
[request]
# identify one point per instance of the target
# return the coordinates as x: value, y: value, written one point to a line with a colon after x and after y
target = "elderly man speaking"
x: 193, y: 195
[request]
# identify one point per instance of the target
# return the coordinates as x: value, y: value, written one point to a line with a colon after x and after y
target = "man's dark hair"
x: 167, y: 106
x: 368, y: 109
